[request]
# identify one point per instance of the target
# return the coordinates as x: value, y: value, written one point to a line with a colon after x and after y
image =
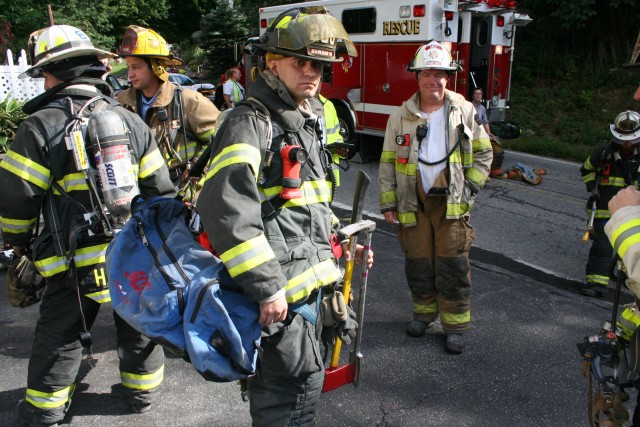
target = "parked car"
x: 116, y: 84
x: 207, y: 89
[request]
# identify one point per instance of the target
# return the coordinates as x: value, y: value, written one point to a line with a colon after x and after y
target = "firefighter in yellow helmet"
x: 435, y: 159
x: 272, y: 229
x: 39, y: 175
x: 182, y: 121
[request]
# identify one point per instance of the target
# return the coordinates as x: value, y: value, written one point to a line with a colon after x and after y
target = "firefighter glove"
x: 346, y: 330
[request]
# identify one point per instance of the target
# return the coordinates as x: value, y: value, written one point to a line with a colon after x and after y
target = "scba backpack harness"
x: 169, y: 288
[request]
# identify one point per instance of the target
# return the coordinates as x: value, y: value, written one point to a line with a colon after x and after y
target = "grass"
x: 566, y: 118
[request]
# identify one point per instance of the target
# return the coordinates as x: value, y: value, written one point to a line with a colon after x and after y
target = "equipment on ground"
x: 169, y: 288
x: 336, y: 376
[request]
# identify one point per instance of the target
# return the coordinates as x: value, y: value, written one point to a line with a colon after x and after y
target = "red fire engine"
x: 365, y: 90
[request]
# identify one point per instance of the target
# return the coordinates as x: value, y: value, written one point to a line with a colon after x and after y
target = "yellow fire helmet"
x: 56, y: 43
x: 307, y: 33
x: 146, y: 43
x: 432, y: 56
x: 626, y: 126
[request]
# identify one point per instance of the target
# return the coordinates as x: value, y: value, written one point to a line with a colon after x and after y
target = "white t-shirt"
x: 228, y: 89
x: 433, y: 148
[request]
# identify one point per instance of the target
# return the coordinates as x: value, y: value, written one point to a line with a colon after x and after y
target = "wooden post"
x: 51, y: 23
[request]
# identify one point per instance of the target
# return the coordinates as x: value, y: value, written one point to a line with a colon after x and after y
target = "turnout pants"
x: 597, y: 269
x: 437, y: 265
x: 57, y: 352
x: 286, y: 388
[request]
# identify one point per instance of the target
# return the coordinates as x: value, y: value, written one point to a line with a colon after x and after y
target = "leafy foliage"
x: 11, y: 116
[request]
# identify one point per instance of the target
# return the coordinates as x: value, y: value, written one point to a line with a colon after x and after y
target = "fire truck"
x: 365, y: 90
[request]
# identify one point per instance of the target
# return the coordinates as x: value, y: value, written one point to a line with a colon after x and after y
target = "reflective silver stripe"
x: 144, y: 381
x: 625, y: 235
x: 20, y: 166
x: 317, y: 276
x: 49, y: 400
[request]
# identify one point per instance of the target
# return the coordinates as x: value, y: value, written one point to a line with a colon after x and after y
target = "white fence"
x: 14, y: 88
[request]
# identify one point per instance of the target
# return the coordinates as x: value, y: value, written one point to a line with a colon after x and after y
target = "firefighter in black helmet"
x: 279, y: 252
x: 39, y: 174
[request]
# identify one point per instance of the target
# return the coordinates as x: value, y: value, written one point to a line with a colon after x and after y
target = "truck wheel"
x: 348, y: 128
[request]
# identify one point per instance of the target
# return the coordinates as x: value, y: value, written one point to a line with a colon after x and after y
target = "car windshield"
x: 181, y: 80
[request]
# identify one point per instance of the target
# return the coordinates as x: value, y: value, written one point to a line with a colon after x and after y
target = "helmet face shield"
x: 144, y: 42
x: 316, y: 36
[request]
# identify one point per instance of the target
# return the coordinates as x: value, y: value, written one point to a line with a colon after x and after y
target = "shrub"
x: 11, y: 116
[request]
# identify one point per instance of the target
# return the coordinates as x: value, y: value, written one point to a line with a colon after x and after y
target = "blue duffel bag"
x: 160, y: 281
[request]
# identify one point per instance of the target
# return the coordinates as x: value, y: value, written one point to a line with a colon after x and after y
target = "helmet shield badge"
x: 626, y: 127
x: 308, y: 33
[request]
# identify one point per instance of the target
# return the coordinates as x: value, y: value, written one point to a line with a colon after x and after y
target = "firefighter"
x: 608, y: 169
x: 435, y: 159
x: 173, y: 114
x: 498, y: 152
x: 232, y: 90
x: 279, y: 250
x: 38, y: 174
x: 333, y: 135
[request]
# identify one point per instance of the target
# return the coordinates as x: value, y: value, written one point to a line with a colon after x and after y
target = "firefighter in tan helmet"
x: 181, y: 120
x: 271, y: 226
x: 435, y: 159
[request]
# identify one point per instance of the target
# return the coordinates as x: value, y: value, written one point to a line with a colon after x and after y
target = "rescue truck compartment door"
x: 480, y: 55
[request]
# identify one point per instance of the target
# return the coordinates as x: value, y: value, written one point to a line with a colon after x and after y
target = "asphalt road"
x: 520, y: 367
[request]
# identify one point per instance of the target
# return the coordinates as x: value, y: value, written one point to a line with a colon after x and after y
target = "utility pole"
x: 51, y: 23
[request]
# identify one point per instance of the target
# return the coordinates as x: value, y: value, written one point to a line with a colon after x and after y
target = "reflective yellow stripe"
x: 388, y: 157
x: 475, y: 176
x: 614, y: 181
x: 100, y: 297
x: 90, y: 255
x: 17, y: 226
x: 302, y: 285
x: 388, y: 197
x: 597, y: 278
x: 408, y: 169
x: 150, y: 163
x: 51, y: 400
x: 26, y: 169
x: 173, y: 160
x: 600, y: 213
x: 589, y: 177
x: 312, y: 192
x: 142, y: 382
x: 455, y: 318
x: 83, y: 257
x: 457, y: 209
x: 587, y: 164
x: 626, y: 236
x: 455, y: 157
x: 73, y: 182
x: 247, y: 255
x: 236, y: 154
x: 481, y: 144
x: 467, y: 159
x: 425, y: 309
x: 407, y: 218
x: 204, y: 137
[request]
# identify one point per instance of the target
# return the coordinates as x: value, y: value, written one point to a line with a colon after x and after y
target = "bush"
x: 11, y: 116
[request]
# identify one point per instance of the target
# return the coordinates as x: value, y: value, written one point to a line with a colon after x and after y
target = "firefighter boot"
x: 417, y: 328
x: 454, y: 343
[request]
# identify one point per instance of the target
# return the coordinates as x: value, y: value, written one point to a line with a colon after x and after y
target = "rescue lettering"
x: 111, y: 174
x: 408, y: 26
